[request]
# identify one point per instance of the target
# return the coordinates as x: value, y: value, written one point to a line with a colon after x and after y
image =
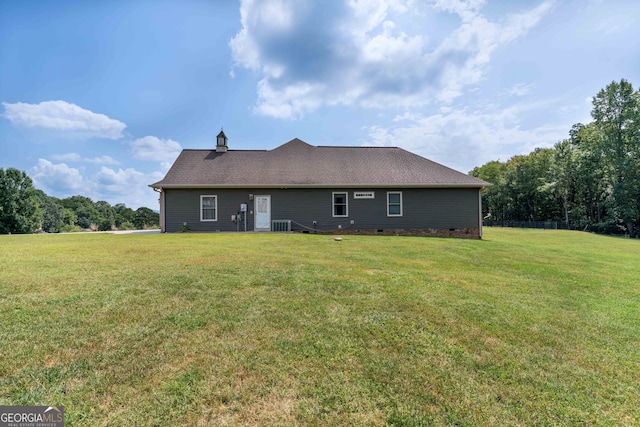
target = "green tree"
x: 589, y: 176
x: 525, y: 180
x: 52, y: 211
x: 558, y: 185
x: 87, y: 216
x: 106, y: 216
x: 494, y: 198
x: 124, y: 216
x: 70, y: 220
x: 590, y: 180
x: 616, y: 111
x: 20, y: 210
x: 146, y: 218
x: 569, y: 178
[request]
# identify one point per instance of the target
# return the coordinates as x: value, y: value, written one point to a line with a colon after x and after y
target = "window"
x: 364, y: 195
x: 394, y: 203
x: 208, y: 208
x: 340, y: 206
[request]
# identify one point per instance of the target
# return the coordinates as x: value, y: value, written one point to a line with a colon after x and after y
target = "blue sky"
x: 98, y: 98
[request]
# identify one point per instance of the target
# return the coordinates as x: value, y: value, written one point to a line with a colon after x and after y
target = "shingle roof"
x: 298, y: 164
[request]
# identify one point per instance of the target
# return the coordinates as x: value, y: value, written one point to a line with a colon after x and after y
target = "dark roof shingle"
x: 297, y: 163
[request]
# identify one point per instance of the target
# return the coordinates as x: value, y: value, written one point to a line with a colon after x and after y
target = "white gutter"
x: 285, y: 186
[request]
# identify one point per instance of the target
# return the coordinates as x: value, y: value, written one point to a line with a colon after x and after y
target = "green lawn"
x: 526, y: 327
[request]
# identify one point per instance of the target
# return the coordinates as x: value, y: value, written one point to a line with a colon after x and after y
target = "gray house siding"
x: 442, y: 208
x: 182, y: 209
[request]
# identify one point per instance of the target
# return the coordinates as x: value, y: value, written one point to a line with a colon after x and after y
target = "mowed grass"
x: 526, y: 327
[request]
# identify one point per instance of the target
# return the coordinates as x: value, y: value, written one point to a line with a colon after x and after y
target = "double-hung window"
x: 394, y: 203
x: 208, y: 208
x: 340, y: 204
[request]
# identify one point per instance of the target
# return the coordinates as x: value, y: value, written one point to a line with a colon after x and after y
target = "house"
x: 306, y: 188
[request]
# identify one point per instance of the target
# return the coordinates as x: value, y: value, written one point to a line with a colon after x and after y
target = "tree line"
x: 24, y: 209
x: 590, y: 181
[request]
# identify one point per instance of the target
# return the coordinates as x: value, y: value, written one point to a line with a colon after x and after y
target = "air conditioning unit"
x: 281, y: 225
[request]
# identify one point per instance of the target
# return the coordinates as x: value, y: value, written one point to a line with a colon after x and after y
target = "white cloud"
x: 63, y: 116
x: 465, y: 9
x: 518, y: 24
x: 103, y: 160
x: 372, y: 53
x: 115, y: 182
x: 57, y: 178
x: 387, y: 49
x: 75, y: 157
x: 291, y: 102
x: 122, y: 185
x: 127, y: 186
x: 69, y: 157
x: 464, y: 139
x: 155, y: 149
x: 467, y: 51
x: 518, y: 89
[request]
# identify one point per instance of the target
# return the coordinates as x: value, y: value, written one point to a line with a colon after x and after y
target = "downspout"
x: 162, y: 212
x: 480, y: 211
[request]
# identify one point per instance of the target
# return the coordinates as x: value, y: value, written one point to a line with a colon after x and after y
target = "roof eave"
x: 285, y: 185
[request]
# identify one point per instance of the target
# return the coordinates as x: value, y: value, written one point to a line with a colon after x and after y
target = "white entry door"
x: 262, y: 213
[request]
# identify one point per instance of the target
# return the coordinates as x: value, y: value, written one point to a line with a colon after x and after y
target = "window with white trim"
x: 208, y: 208
x: 340, y: 204
x: 394, y: 203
